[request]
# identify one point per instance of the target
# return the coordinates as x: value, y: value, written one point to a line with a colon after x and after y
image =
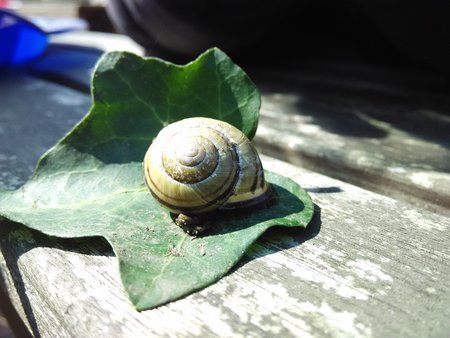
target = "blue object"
x: 20, y: 39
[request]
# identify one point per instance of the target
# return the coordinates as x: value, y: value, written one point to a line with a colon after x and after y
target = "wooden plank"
x: 34, y: 114
x: 382, y: 130
x: 367, y: 266
x: 71, y: 57
x: 106, y: 42
x: 68, y: 65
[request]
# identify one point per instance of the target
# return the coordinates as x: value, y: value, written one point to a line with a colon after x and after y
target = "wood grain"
x: 387, y: 132
x: 367, y: 266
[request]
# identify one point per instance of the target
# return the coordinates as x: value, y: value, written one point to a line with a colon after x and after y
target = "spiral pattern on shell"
x: 199, y: 164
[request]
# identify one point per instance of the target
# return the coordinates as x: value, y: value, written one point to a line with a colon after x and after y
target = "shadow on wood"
x: 15, y: 322
x: 324, y: 190
x: 374, y: 127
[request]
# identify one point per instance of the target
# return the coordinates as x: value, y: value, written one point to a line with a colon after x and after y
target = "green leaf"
x: 91, y: 183
x: 135, y: 97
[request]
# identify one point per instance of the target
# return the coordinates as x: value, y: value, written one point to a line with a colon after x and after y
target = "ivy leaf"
x: 91, y: 182
x: 141, y: 96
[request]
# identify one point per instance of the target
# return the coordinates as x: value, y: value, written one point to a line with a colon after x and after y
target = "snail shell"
x: 197, y: 165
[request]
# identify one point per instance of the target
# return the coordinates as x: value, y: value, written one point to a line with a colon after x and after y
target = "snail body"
x: 198, y: 165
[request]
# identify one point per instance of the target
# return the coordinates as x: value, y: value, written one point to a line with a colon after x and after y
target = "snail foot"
x: 192, y: 225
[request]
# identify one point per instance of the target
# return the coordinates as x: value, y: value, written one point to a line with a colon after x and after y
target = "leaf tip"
x: 107, y: 61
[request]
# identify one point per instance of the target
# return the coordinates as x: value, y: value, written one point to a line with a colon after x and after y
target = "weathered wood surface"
x: 367, y: 266
x: 34, y: 114
x: 382, y: 130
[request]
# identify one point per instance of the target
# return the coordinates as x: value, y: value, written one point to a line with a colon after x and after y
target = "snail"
x: 199, y: 165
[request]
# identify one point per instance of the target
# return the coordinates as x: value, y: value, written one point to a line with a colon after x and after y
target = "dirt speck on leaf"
x: 201, y: 248
x: 174, y: 251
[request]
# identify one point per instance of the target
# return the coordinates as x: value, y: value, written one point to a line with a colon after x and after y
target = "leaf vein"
x: 137, y: 96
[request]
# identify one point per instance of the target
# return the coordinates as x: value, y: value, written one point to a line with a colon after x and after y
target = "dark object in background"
x: 181, y: 30
x: 96, y: 18
x: 399, y: 33
x: 419, y: 29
